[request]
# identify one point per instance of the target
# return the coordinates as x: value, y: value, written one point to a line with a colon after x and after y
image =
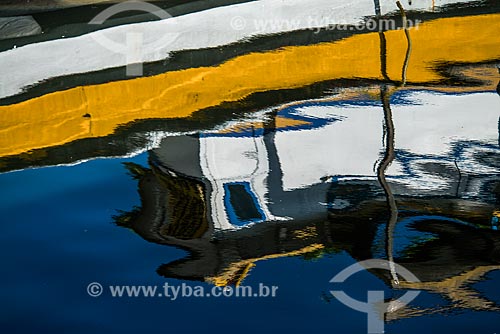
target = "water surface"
x: 279, y: 159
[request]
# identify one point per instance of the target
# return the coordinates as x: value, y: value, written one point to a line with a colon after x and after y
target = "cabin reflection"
x: 232, y: 198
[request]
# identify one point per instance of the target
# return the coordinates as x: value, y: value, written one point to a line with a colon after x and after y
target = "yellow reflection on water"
x: 97, y: 110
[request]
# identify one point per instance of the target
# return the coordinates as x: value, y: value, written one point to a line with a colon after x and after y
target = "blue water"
x: 57, y: 237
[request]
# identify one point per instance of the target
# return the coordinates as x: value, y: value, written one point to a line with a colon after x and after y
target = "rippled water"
x: 276, y: 156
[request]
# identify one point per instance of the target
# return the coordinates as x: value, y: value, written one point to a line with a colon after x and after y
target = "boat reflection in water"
x: 409, y: 175
x: 380, y: 144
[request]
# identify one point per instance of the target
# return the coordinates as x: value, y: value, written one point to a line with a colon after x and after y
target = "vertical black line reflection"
x: 275, y: 176
x: 377, y: 7
x: 408, y: 39
x: 383, y: 56
x: 498, y: 86
x: 388, y: 158
x: 459, y: 182
x: 383, y: 43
